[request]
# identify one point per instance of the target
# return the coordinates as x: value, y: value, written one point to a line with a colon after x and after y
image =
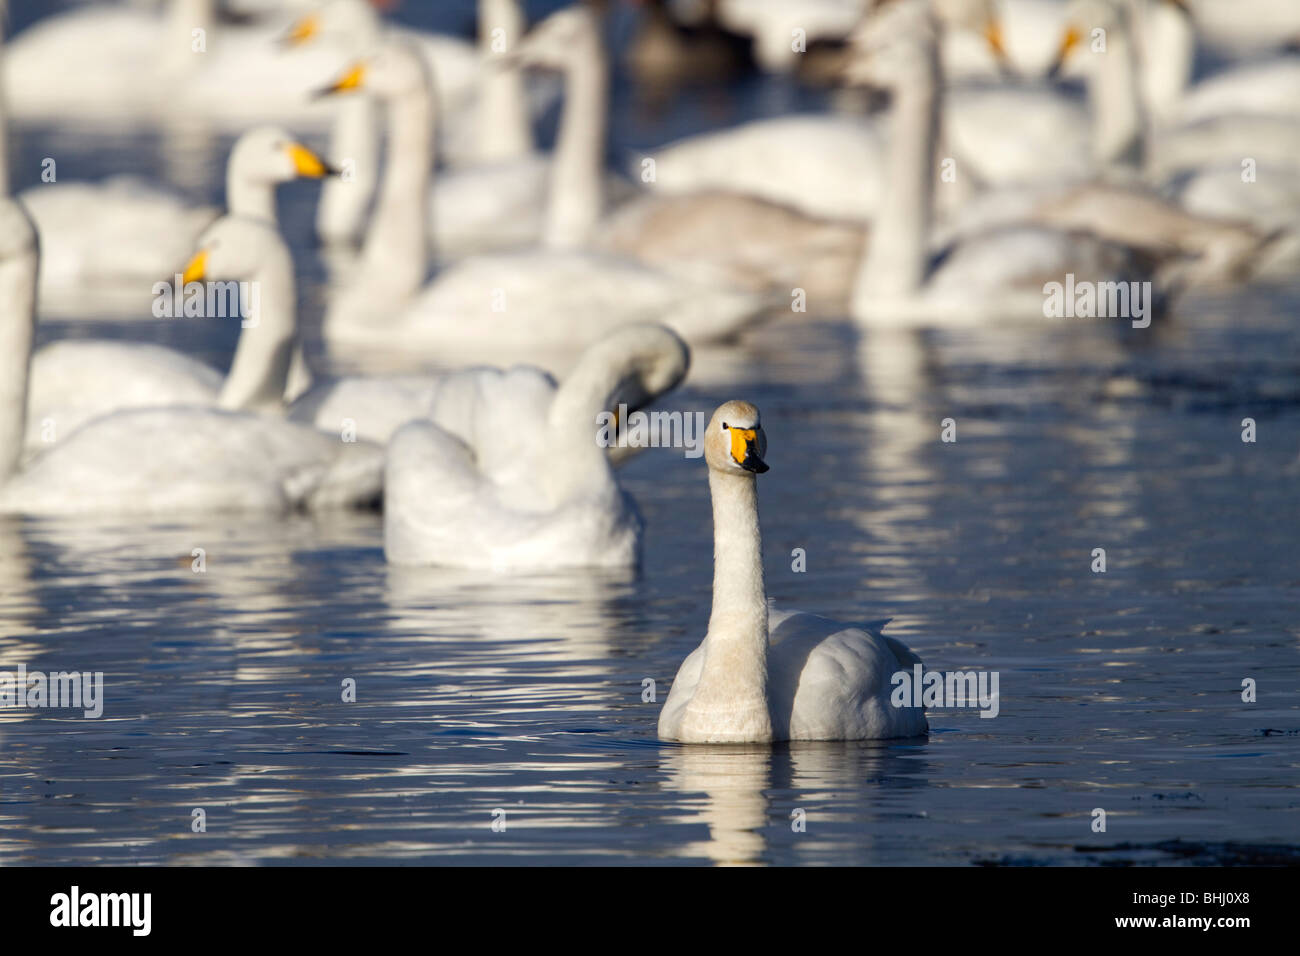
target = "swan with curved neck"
x: 509, y: 473
x: 557, y: 298
x: 172, y: 459
x: 762, y: 676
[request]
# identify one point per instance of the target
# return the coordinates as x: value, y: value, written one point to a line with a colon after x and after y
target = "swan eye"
x: 725, y: 426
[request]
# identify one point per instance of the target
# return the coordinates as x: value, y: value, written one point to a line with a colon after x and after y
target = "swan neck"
x: 1113, y: 96
x: 259, y: 373
x: 504, y: 131
x: 577, y: 170
x: 17, y: 333
x: 354, y: 144
x: 731, y: 701
x: 896, y: 258
x: 249, y: 197
x: 396, y: 250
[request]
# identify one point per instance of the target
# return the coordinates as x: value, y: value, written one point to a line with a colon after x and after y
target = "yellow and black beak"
x: 996, y: 43
x: 197, y: 270
x: 303, y: 30
x: 307, y: 164
x: 744, y: 449
x: 353, y: 79
x: 1072, y: 37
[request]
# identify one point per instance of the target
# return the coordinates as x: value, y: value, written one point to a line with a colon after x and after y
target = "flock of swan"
x: 432, y: 163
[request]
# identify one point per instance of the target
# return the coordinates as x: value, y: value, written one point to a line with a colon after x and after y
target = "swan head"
x: 396, y: 69
x: 234, y: 247
x: 735, y: 443
x: 1082, y: 17
x: 978, y: 16
x: 652, y: 360
x: 895, y: 47
x: 269, y: 154
x: 351, y: 23
x: 555, y: 42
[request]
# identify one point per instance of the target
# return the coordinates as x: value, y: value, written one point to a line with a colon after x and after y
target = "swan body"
x: 772, y: 24
x: 507, y: 473
x: 826, y: 166
x: 546, y: 299
x: 729, y: 239
x: 171, y: 460
x: 240, y: 76
x: 762, y: 676
x: 75, y: 381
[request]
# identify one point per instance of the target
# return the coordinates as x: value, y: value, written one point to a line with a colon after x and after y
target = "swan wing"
x: 74, y: 381
x: 831, y: 681
x: 164, y: 461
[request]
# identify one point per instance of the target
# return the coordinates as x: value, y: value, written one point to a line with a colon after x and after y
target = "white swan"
x: 374, y: 408
x: 73, y: 381
x: 107, y: 243
x: 989, y: 276
x: 135, y: 66
x: 761, y: 675
x: 167, y: 460
x: 509, y: 474
x: 482, y: 303
x: 491, y: 127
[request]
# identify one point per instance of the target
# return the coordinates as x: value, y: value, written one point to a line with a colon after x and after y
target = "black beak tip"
x: 756, y: 465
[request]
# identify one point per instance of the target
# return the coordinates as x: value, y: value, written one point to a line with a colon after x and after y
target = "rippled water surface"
x: 478, y: 694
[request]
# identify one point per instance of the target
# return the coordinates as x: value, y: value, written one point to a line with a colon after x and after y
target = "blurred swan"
x: 773, y: 25
x: 138, y: 66
x: 482, y: 303
x: 763, y: 675
x: 167, y: 460
x: 73, y: 381
x: 491, y: 127
x: 509, y: 473
x: 124, y: 234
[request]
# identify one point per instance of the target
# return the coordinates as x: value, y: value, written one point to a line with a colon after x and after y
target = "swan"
x: 509, y: 473
x: 75, y: 380
x: 165, y: 460
x: 490, y: 133
x: 763, y: 675
x: 137, y: 66
x: 558, y: 298
x: 991, y: 275
x: 374, y: 408
x: 113, y: 239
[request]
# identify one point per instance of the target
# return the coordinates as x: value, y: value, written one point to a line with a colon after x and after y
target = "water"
x: 477, y: 694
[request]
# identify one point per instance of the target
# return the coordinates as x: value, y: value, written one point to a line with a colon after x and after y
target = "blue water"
x: 518, y: 699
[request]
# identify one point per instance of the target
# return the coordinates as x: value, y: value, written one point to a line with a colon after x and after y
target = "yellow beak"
x: 197, y: 269
x: 351, y: 80
x: 306, y: 163
x: 993, y: 37
x: 744, y: 449
x: 303, y: 30
x: 1069, y: 41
